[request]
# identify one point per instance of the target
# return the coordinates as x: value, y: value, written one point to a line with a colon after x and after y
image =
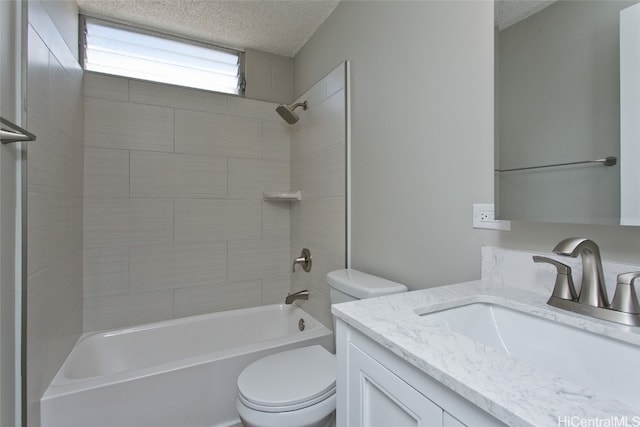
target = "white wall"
x: 422, y: 139
x: 422, y: 131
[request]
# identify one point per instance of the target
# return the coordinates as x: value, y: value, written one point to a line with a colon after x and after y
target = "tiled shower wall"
x: 174, y: 221
x: 318, y: 222
x: 54, y: 195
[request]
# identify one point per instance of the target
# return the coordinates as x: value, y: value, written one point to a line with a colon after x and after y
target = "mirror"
x: 557, y: 102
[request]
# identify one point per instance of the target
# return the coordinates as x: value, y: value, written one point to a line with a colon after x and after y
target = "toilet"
x: 297, y: 388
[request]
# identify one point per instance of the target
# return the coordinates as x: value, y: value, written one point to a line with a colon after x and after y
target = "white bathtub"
x: 177, y: 373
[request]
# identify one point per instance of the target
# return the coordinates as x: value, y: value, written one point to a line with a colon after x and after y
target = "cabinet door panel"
x: 449, y: 421
x: 379, y: 398
x: 380, y: 409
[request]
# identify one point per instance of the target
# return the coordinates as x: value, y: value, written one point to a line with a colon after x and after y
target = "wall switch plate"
x: 484, y: 217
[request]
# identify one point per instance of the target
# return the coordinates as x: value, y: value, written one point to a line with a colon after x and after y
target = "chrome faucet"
x: 592, y: 299
x: 592, y: 291
x: 304, y: 294
x: 564, y: 287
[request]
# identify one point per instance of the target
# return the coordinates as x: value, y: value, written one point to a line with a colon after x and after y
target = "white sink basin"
x: 609, y: 367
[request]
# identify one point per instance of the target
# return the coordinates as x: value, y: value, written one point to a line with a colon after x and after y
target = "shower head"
x: 287, y: 111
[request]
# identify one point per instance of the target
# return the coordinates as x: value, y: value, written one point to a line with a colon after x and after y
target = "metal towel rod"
x: 607, y: 161
x: 15, y: 134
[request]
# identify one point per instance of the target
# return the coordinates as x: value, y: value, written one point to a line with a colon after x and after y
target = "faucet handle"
x: 304, y: 260
x: 625, y: 298
x: 564, y: 287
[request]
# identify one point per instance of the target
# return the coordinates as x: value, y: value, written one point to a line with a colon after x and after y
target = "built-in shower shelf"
x: 283, y: 196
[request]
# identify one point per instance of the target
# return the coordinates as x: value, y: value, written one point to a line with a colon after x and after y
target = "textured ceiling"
x: 508, y: 12
x: 275, y: 26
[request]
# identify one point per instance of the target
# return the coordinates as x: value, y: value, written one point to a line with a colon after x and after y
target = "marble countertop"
x: 511, y: 390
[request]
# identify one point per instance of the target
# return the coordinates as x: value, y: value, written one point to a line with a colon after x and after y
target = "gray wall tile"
x: 54, y: 197
x: 217, y: 220
x: 177, y: 97
x: 125, y: 125
x: 258, y: 259
x: 161, y: 207
x: 276, y: 220
x: 177, y: 266
x: 106, y: 172
x: 106, y: 87
x: 253, y: 109
x: 177, y: 175
x: 249, y: 178
x: 125, y: 222
x: 207, y: 299
x: 106, y: 271
x: 318, y: 222
x: 276, y: 140
x: 116, y: 311
x: 217, y: 134
x: 275, y: 289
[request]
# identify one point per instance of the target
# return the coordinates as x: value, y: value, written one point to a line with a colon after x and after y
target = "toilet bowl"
x: 297, y: 388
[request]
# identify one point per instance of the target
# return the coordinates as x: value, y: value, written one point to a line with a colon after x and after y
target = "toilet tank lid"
x: 362, y: 285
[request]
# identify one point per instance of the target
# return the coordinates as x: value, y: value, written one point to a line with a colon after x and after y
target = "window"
x: 124, y: 51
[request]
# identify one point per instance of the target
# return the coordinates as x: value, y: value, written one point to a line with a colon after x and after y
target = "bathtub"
x: 177, y: 373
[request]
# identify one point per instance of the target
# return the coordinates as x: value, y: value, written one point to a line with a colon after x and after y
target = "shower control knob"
x: 304, y: 260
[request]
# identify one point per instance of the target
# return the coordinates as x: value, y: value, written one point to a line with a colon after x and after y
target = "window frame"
x: 82, y: 42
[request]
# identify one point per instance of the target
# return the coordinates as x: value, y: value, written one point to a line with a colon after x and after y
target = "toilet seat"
x: 289, y: 380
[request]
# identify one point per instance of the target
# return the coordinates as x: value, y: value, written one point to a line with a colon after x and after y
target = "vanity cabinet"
x: 376, y: 388
x: 379, y: 398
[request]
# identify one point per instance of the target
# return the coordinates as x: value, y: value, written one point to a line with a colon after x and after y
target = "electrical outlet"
x: 484, y: 217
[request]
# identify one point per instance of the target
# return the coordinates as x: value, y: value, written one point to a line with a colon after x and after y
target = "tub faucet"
x: 593, y: 291
x: 304, y: 294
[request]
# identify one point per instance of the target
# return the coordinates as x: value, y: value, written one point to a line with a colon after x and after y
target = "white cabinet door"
x: 379, y: 398
x: 449, y: 421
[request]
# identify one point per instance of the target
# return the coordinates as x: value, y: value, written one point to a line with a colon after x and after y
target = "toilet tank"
x: 350, y: 285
